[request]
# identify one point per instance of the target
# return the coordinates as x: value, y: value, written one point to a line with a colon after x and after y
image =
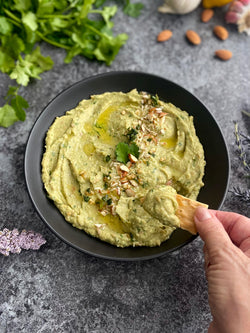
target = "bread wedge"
x: 185, y: 212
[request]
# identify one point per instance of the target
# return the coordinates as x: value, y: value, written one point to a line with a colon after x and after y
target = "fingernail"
x: 202, y: 214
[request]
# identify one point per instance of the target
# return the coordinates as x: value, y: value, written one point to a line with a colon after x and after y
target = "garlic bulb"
x: 239, y: 13
x: 178, y: 6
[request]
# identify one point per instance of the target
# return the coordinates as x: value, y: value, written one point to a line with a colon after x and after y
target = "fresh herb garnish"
x: 123, y: 150
x: 14, y: 109
x: 80, y: 27
x: 131, y: 9
x: 155, y: 99
x: 86, y: 198
x: 131, y: 134
x: 109, y: 201
x: 105, y: 198
x: 107, y: 158
x: 106, y: 176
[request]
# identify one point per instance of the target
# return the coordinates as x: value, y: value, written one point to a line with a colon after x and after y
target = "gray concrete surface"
x: 59, y: 289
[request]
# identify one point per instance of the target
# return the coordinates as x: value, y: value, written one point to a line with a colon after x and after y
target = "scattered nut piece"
x: 164, y: 35
x: 223, y: 54
x: 130, y: 192
x: 133, y: 183
x: 193, y: 37
x: 220, y: 32
x: 206, y: 15
x: 124, y: 168
x: 132, y: 158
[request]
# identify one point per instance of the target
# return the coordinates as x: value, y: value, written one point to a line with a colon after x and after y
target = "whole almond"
x: 223, y: 54
x: 206, y: 15
x: 193, y: 37
x: 220, y: 32
x: 164, y: 35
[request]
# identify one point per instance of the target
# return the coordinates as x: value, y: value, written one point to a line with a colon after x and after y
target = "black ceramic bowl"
x: 216, y: 155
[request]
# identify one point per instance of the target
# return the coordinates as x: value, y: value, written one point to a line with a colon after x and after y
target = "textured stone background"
x: 58, y: 289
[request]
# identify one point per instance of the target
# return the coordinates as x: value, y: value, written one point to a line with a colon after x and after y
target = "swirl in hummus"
x: 114, y: 164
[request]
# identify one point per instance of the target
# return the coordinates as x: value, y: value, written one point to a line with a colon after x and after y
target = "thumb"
x: 210, y: 229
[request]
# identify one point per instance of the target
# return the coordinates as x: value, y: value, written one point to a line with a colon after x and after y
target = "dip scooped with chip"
x: 125, y: 168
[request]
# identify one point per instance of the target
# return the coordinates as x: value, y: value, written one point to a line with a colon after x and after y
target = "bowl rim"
x: 110, y: 74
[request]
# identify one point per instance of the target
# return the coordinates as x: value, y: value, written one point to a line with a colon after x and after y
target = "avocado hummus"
x: 114, y: 164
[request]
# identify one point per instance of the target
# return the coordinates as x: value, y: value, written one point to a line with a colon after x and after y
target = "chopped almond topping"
x: 162, y: 114
x: 130, y: 192
x: 132, y: 158
x: 133, y: 182
x: 124, y: 168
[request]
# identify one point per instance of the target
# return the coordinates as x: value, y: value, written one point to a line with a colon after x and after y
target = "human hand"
x: 227, y: 264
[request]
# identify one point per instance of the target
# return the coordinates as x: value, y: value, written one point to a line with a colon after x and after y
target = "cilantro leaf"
x: 19, y: 104
x: 99, y: 3
x: 133, y: 9
x: 155, y: 99
x: 13, y: 110
x: 30, y: 67
x: 108, y: 47
x: 134, y: 149
x: 5, y: 26
x: 131, y: 134
x: 12, y: 45
x: 108, y: 13
x: 7, y: 116
x: 29, y: 19
x: 81, y: 27
x: 123, y: 150
x: 22, y: 5
x: 13, y: 90
x: 7, y: 63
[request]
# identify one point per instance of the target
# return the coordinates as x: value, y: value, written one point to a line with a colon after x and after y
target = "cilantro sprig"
x: 123, y: 150
x: 14, y: 109
x: 81, y: 27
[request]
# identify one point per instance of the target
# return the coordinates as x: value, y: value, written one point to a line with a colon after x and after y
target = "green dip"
x: 114, y: 164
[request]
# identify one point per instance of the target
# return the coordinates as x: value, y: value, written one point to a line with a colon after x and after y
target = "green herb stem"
x: 11, y: 15
x: 52, y: 42
x: 95, y: 31
x: 15, y: 23
x: 48, y: 16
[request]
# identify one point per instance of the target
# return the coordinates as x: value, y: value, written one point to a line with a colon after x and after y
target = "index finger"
x: 237, y: 226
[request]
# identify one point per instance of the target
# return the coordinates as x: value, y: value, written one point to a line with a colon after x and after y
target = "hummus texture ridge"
x: 114, y: 164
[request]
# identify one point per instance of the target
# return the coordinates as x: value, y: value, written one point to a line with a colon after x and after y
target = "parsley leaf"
x: 5, y: 26
x: 81, y: 27
x: 131, y: 134
x: 155, y: 99
x: 29, y: 20
x: 30, y: 67
x: 7, y: 63
x: 19, y: 104
x: 123, y: 150
x: 133, y: 9
x: 13, y: 110
x: 7, y: 116
x: 108, y: 48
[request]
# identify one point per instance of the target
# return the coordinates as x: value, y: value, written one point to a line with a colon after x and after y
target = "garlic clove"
x: 239, y: 13
x: 179, y: 6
